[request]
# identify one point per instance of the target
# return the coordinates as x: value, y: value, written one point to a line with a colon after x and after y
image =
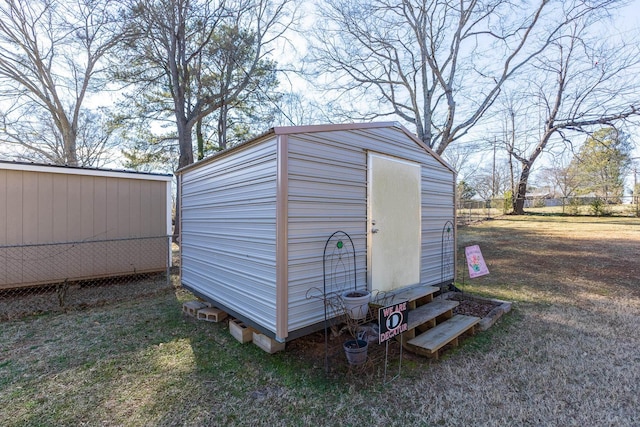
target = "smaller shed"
x: 60, y: 223
x: 255, y: 219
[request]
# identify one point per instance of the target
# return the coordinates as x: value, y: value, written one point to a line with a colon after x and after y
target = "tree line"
x: 176, y: 70
x: 167, y: 82
x: 597, y: 170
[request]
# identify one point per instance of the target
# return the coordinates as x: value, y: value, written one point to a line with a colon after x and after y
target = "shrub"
x: 573, y: 208
x: 599, y: 207
x: 540, y: 203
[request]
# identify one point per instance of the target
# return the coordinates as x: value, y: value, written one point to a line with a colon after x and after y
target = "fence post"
x: 169, y: 258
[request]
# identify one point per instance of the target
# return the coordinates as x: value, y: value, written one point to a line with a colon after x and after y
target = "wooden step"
x: 428, y: 312
x: 407, y: 294
x: 428, y: 343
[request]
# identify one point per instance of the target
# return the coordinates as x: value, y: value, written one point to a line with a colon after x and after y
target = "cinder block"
x: 240, y: 331
x: 267, y: 344
x: 211, y: 314
x: 191, y: 307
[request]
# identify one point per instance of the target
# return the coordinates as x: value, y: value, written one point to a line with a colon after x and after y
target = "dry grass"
x: 566, y: 355
x: 21, y: 302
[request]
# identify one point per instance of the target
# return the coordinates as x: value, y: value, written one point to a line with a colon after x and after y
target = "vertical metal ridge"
x: 455, y: 228
x: 179, y: 205
x: 282, y: 238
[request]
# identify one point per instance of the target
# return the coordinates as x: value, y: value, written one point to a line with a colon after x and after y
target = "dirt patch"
x: 48, y: 299
x: 472, y: 306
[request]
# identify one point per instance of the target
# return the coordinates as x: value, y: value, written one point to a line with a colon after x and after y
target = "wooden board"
x: 240, y: 331
x: 444, y: 333
x: 408, y: 294
x: 430, y: 311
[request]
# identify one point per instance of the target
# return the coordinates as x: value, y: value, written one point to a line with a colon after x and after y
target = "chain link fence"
x: 479, y: 210
x: 470, y: 211
x: 51, y: 277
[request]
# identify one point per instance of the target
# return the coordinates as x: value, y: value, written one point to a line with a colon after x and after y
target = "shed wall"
x: 45, y: 215
x: 228, y: 231
x: 328, y: 192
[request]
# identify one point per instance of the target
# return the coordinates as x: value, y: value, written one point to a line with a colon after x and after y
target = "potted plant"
x: 356, y: 303
x: 356, y: 307
x: 356, y: 351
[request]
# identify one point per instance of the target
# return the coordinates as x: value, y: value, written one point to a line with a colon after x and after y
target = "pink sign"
x: 475, y: 262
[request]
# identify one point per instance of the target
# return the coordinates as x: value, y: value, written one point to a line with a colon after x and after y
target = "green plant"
x: 508, y: 202
x: 599, y: 207
x: 573, y: 208
x: 539, y: 203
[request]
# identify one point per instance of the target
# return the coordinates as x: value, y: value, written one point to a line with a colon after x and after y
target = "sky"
x: 627, y: 21
x: 294, y: 50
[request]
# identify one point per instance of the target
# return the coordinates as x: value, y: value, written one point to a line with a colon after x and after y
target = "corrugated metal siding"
x: 437, y: 208
x: 229, y: 231
x: 328, y: 192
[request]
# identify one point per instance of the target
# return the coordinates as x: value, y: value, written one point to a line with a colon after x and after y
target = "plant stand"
x: 359, y: 321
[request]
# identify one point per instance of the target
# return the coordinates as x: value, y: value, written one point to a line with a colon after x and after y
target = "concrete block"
x: 211, y: 314
x: 240, y: 331
x: 191, y: 307
x: 267, y: 344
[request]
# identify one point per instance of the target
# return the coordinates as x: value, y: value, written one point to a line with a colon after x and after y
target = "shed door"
x: 394, y: 223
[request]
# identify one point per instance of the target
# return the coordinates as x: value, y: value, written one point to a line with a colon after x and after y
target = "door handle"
x: 375, y: 230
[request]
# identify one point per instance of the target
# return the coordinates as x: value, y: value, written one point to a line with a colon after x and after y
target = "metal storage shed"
x: 255, y: 219
x: 60, y: 223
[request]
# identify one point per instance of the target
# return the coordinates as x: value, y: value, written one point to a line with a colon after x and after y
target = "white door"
x: 394, y: 237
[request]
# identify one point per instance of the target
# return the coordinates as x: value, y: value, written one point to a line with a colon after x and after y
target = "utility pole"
x: 493, y: 176
x: 634, y: 192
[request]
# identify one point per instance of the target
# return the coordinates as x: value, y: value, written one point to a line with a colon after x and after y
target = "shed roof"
x: 289, y: 130
x: 78, y: 170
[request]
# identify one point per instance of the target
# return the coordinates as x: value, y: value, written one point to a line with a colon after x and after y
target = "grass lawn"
x: 566, y: 355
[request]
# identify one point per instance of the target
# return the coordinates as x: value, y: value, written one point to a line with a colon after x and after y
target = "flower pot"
x: 356, y: 351
x: 356, y: 303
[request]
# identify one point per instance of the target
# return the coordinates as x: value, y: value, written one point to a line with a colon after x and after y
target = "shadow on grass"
x: 144, y: 363
x: 555, y: 263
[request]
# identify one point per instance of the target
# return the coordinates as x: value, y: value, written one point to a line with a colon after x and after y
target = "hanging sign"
x: 475, y: 261
x: 392, y: 321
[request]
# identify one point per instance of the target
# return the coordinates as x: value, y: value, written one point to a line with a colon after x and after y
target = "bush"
x: 573, y: 208
x: 540, y: 203
x: 599, y: 207
x: 508, y: 202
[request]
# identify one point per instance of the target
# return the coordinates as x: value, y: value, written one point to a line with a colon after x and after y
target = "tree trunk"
x: 185, y: 142
x: 186, y: 146
x: 519, y: 196
x: 200, y: 139
x: 71, y: 151
x: 222, y: 127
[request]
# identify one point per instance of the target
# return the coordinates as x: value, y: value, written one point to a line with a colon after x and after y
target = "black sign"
x: 392, y: 321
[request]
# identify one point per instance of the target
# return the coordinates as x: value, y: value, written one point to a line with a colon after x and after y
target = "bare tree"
x: 461, y: 159
x: 437, y: 64
x: 561, y: 177
x: 492, y: 183
x: 580, y: 82
x: 51, y: 58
